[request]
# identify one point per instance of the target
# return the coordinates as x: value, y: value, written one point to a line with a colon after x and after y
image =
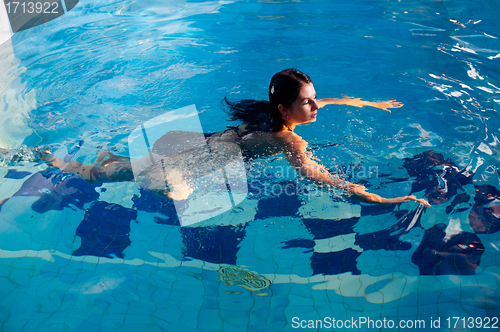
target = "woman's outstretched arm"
x: 297, y: 156
x: 359, y: 193
x: 357, y: 102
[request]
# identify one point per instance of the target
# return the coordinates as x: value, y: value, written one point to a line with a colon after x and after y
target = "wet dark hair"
x: 284, y: 89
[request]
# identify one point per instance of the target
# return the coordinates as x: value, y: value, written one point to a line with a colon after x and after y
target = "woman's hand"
x: 384, y: 105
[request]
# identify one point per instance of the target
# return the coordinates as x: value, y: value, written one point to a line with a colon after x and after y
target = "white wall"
x: 5, y: 32
x: 16, y: 102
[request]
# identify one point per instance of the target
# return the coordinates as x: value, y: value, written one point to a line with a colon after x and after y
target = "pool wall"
x: 5, y: 32
x: 16, y: 103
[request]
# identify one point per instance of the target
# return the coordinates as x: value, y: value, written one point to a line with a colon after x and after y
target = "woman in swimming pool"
x: 267, y: 129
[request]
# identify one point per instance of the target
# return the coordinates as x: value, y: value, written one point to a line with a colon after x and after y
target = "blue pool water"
x: 76, y: 256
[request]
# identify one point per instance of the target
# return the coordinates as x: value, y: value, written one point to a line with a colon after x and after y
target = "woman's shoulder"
x: 290, y: 140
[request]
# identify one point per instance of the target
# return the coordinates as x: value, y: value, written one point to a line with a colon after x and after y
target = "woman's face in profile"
x: 304, y: 108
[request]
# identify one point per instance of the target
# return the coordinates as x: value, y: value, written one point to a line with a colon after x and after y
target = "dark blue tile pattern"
x: 105, y: 229
x: 150, y: 202
x: 389, y: 239
x: 322, y: 229
x: 440, y: 253
x: 281, y: 204
x: 335, y: 262
x: 440, y: 178
x: 15, y: 174
x: 483, y: 219
x: 57, y: 190
x: 217, y: 244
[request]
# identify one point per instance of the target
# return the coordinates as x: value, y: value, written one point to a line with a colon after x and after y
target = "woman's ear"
x: 282, y: 110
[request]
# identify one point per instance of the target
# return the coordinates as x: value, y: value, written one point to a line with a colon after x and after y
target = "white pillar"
x: 5, y: 31
x: 16, y: 102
